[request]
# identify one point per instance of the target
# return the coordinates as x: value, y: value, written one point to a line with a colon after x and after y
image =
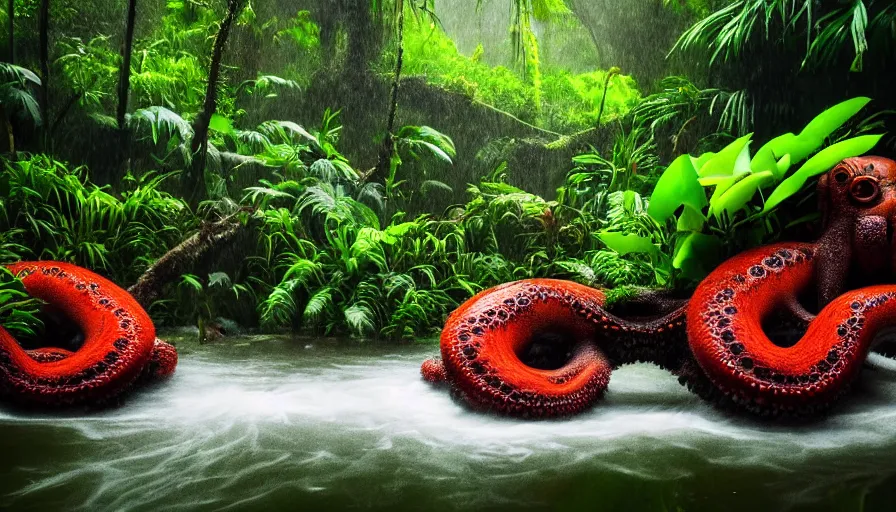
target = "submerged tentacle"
x: 118, y: 347
x: 725, y: 332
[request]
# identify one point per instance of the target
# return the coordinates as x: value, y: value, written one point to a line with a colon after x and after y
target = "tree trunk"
x: 124, y: 74
x: 388, y: 149
x: 44, y: 43
x: 124, y: 86
x: 199, y: 145
x: 11, y: 37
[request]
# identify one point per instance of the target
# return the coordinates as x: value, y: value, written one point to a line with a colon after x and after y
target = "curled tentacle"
x: 119, y: 341
x: 433, y: 371
x: 162, y: 362
x: 726, y: 335
x: 535, y: 348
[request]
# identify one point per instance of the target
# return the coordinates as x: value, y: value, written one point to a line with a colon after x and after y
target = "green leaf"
x: 696, y: 254
x: 828, y: 121
x: 691, y: 220
x: 733, y: 159
x: 399, y: 230
x: 821, y: 162
x: 431, y: 186
x: 739, y: 194
x: 677, y: 186
x: 767, y: 156
x: 782, y: 166
x: 626, y: 244
x: 221, y: 124
x: 219, y: 279
x: 359, y: 317
x: 809, y: 140
x: 192, y: 281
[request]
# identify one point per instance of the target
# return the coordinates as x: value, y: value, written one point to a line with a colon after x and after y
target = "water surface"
x: 307, y: 425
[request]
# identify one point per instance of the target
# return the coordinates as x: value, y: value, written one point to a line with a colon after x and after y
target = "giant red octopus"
x: 119, y: 349
x: 545, y: 348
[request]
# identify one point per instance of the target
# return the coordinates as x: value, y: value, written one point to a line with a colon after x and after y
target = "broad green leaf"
x: 436, y: 151
x: 722, y: 186
x: 821, y: 162
x: 626, y: 244
x: 710, y: 181
x: 696, y: 254
x: 766, y: 157
x: 828, y: 121
x: 728, y: 161
x: 782, y: 166
x: 739, y: 194
x: 690, y: 220
x: 398, y: 230
x: 809, y: 140
x: 221, y: 124
x: 677, y: 186
x: 699, y: 161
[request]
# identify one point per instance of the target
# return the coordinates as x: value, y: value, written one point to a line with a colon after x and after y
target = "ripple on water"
x: 253, y: 427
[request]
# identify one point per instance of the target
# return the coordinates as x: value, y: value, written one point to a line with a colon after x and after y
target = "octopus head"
x: 857, y: 199
x: 866, y: 185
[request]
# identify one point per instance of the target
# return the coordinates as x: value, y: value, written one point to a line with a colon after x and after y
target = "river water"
x: 312, y: 425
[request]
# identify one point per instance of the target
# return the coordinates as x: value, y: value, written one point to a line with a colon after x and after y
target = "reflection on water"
x: 299, y: 426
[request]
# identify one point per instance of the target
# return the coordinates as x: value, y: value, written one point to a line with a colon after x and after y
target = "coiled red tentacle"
x: 487, y: 340
x: 119, y: 346
x: 483, y: 339
x: 726, y: 335
x: 730, y: 357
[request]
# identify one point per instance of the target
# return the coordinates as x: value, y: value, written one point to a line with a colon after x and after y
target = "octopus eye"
x: 864, y: 189
x: 841, y: 176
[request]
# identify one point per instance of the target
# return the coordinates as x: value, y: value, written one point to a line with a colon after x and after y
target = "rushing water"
x: 316, y: 425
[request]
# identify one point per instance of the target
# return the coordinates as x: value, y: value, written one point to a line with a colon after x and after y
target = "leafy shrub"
x: 562, y: 102
x: 736, y: 179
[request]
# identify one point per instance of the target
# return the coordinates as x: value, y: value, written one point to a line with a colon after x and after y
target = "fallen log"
x: 211, y: 239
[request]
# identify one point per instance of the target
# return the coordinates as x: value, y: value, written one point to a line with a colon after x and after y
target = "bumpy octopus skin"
x: 725, y: 354
x: 120, y: 346
x: 726, y: 336
x: 857, y: 200
x: 483, y: 339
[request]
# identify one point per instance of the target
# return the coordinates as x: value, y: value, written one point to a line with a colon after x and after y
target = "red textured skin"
x: 724, y: 326
x: 855, y: 241
x: 731, y: 356
x: 483, y: 338
x: 433, y: 371
x: 480, y: 341
x: 120, y: 344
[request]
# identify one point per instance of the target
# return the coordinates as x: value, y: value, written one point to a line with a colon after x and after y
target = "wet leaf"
x: 821, y: 162
x: 627, y: 244
x: 677, y: 186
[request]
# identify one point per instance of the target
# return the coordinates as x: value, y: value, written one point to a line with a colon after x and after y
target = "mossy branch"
x: 212, y: 238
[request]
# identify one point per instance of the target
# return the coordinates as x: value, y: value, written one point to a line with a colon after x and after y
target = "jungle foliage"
x: 663, y: 185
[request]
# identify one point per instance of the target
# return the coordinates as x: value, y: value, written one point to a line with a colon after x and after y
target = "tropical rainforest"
x: 361, y: 167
